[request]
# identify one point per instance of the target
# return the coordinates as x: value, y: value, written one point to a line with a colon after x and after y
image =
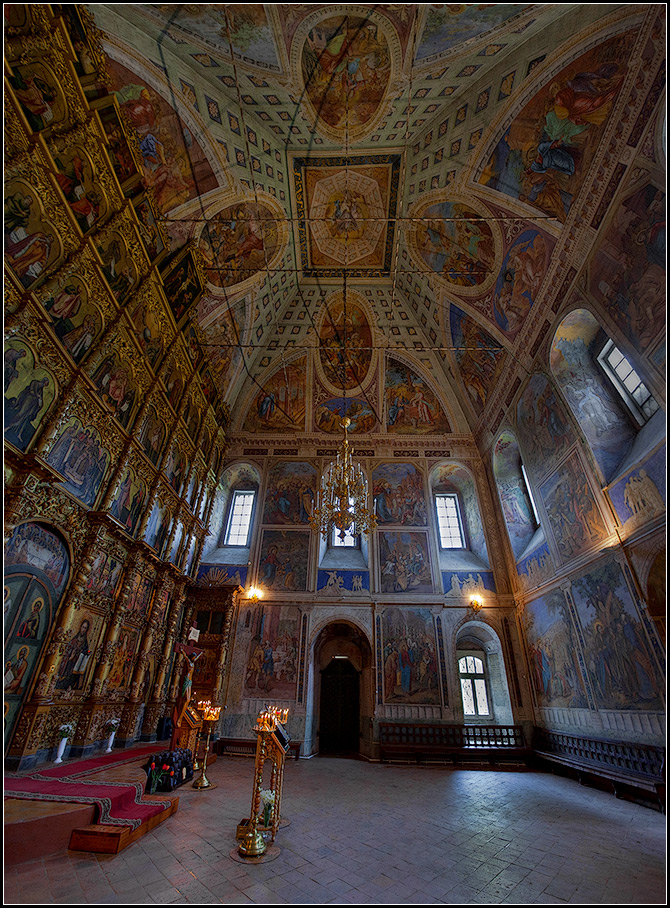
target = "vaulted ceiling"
x: 426, y: 158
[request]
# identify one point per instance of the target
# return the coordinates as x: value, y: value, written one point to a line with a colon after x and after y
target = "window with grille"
x: 239, y: 518
x: 636, y: 395
x: 350, y: 538
x: 449, y: 521
x: 473, y: 686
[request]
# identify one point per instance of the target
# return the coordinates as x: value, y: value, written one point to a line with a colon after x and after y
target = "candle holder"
x: 210, y: 714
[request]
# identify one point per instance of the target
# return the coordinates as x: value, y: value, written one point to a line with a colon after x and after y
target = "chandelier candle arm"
x: 342, y: 500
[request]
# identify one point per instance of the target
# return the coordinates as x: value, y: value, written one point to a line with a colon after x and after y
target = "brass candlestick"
x: 210, y: 715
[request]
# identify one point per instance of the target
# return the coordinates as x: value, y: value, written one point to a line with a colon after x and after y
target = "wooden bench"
x: 456, y: 743
x: 631, y: 771
x: 247, y: 747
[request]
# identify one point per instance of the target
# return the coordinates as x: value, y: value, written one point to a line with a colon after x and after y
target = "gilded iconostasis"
x: 227, y: 227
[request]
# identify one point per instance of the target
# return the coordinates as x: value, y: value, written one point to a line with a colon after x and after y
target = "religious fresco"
x: 149, y: 331
x: 244, y: 25
x: 174, y: 171
x: 346, y: 208
x: 291, y: 489
x: 455, y: 242
x: 536, y: 568
x: 454, y: 478
x: 32, y: 245
x: 554, y: 654
x: 272, y: 657
x: 35, y: 557
x: 123, y: 155
x: 175, y: 467
x: 627, y: 272
x: 117, y: 265
x: 40, y: 95
x: 29, y: 393
x: 410, y: 660
x: 411, y: 405
x: 516, y: 505
x: 283, y: 560
x: 340, y: 583
x: 128, y: 500
x: 621, y: 665
x: 113, y: 379
x: 404, y: 559
x: 521, y: 274
x: 467, y: 583
x: 104, y: 578
x: 450, y: 24
x: 479, y: 357
x: 174, y: 556
x: 121, y: 670
x: 280, y: 404
x: 29, y: 612
x: 544, y: 429
x: 574, y: 517
x: 594, y: 403
x: 79, y: 455
x: 77, y: 663
x: 346, y: 66
x: 79, y: 183
x: 345, y: 342
x: 238, y: 243
x: 222, y: 574
x: 640, y: 495
x: 34, y: 545
x: 158, y: 527
x: 74, y: 317
x: 399, y: 496
x: 152, y: 435
x: 183, y: 284
x: 139, y: 598
x: 151, y: 229
x: 329, y: 414
x: 545, y: 154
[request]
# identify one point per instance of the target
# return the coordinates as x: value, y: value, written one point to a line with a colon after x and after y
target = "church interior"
x: 335, y: 383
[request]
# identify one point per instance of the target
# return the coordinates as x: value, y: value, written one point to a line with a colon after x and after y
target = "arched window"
x: 449, y: 520
x: 615, y: 409
x: 474, y: 686
x: 240, y: 512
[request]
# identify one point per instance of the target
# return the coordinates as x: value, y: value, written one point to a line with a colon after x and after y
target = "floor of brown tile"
x: 377, y: 834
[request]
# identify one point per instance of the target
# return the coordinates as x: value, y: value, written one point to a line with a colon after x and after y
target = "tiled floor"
x: 376, y: 834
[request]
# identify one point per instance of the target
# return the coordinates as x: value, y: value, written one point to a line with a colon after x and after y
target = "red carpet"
x: 118, y: 803
x: 93, y: 764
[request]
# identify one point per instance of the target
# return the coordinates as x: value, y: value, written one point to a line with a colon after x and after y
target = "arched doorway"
x: 339, y: 707
x: 37, y: 569
x: 341, y: 693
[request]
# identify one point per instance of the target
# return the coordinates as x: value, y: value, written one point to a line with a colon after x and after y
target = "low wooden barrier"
x: 632, y: 771
x: 457, y: 743
x: 246, y: 747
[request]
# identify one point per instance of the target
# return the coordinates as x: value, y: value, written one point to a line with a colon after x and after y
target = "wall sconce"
x: 476, y: 603
x: 254, y: 594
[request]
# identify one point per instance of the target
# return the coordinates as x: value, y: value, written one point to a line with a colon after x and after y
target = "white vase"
x: 110, y: 742
x: 61, y: 750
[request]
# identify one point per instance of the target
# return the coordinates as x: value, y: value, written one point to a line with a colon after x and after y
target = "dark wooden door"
x: 340, y: 692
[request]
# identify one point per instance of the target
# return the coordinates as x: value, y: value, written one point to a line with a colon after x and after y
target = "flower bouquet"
x: 157, y: 775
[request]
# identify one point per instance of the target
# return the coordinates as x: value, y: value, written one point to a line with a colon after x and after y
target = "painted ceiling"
x: 400, y: 175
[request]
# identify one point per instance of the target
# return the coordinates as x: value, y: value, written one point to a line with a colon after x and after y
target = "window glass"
x: 239, y: 520
x: 449, y: 521
x: 636, y: 395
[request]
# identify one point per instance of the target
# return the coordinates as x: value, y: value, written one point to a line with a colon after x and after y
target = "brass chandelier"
x: 342, y: 500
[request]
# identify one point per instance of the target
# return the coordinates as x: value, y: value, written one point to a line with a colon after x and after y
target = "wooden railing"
x: 401, y: 740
